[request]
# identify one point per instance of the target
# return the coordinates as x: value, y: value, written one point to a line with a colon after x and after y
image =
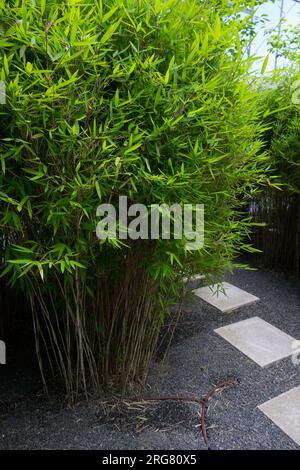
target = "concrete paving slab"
x: 259, y: 340
x: 225, y: 298
x: 284, y: 411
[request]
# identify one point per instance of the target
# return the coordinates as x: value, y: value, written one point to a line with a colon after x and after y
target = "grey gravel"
x: 197, y: 360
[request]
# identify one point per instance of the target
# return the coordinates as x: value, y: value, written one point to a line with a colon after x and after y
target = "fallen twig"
x: 211, y: 392
x: 192, y: 399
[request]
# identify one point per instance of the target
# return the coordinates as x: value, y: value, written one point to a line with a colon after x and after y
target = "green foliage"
x: 280, y: 101
x: 286, y: 44
x: 147, y: 99
x: 278, y: 207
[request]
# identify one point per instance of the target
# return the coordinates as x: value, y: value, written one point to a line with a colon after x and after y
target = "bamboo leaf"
x: 265, y: 64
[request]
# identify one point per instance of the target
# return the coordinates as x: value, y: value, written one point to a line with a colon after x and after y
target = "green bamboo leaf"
x: 5, y: 65
x: 3, y: 165
x: 97, y: 186
x: 43, y: 6
x: 217, y: 27
x: 109, y: 13
x: 133, y: 148
x: 111, y: 30
x: 265, y: 64
x: 41, y: 271
x: 29, y: 67
x: 117, y: 98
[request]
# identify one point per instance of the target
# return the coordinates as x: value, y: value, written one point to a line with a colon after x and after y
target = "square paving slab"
x: 257, y: 339
x: 225, y: 302
x: 284, y: 411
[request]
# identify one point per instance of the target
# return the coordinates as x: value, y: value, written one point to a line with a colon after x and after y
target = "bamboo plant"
x: 147, y: 99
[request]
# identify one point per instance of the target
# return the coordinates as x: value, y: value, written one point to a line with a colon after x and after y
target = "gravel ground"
x: 197, y: 360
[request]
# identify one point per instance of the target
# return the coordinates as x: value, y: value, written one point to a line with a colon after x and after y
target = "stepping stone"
x: 284, y: 411
x: 225, y: 302
x: 257, y: 339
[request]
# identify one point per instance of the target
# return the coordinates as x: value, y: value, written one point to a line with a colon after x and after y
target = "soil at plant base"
x: 198, y: 359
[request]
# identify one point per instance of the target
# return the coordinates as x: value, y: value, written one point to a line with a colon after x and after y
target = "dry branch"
x: 192, y: 399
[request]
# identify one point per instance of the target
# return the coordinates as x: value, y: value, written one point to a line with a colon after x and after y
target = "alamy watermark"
x: 2, y: 352
x: 164, y: 221
x: 2, y: 92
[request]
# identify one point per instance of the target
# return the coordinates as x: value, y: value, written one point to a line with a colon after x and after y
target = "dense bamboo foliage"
x: 279, y: 208
x: 147, y: 99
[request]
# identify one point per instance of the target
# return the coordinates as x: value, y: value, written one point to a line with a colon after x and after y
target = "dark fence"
x: 279, y: 239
